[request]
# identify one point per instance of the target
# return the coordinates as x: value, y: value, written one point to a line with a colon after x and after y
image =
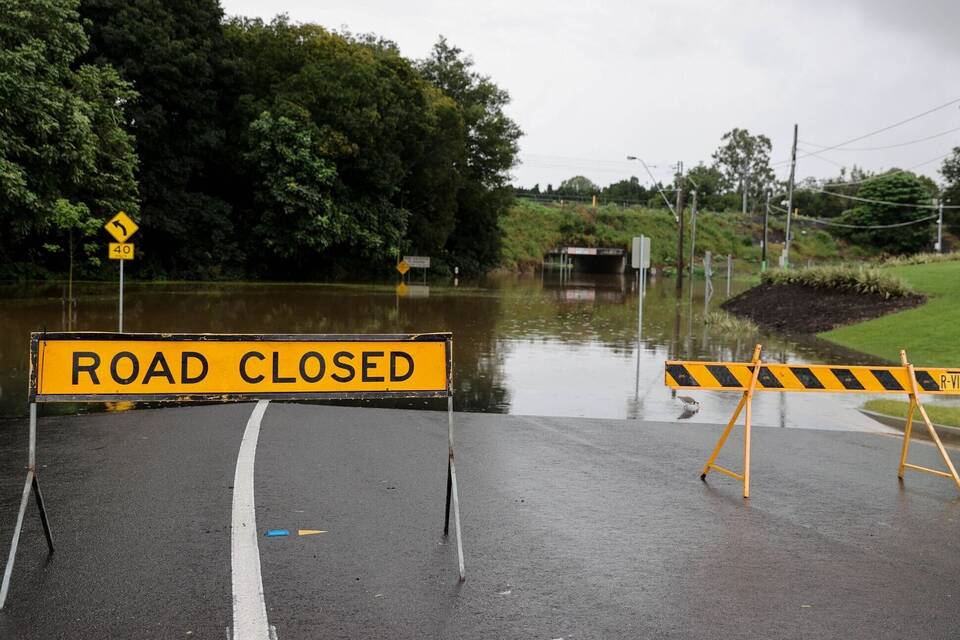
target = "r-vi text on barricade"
x: 748, y: 378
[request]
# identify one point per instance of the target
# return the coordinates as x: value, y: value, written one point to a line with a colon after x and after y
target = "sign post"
x: 419, y: 262
x: 122, y: 228
x: 640, y: 260
x: 98, y: 367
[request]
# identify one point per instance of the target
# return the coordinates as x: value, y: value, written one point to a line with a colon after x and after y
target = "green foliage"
x: 922, y: 258
x: 577, y: 186
x: 741, y: 153
x: 171, y: 51
x: 530, y: 230
x: 722, y: 322
x: 490, y: 152
x: 841, y: 278
x: 902, y: 188
x: 66, y: 162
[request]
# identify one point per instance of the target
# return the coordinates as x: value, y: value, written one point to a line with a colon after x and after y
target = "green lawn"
x: 930, y: 333
x: 939, y: 414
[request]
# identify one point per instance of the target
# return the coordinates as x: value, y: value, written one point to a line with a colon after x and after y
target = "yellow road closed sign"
x: 120, y: 251
x: 67, y: 367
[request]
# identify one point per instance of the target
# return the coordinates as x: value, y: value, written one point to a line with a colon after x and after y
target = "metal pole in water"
x: 940, y: 229
x: 729, y: 272
x: 121, y: 297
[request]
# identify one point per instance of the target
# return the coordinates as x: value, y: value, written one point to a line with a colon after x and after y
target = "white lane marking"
x: 249, y: 607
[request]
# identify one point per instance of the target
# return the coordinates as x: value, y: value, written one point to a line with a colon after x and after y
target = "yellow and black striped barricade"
x: 750, y: 377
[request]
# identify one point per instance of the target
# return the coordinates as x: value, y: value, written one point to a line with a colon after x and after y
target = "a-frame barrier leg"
x: 746, y: 402
x: 452, y: 491
x: 915, y: 404
x: 31, y: 484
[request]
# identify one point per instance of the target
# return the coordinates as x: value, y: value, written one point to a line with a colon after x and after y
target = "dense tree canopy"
x: 261, y: 149
x: 65, y: 158
x: 904, y: 189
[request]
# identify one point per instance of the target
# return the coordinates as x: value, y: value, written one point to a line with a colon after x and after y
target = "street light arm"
x: 657, y: 185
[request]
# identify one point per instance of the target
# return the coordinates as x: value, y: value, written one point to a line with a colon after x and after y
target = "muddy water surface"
x: 524, y: 345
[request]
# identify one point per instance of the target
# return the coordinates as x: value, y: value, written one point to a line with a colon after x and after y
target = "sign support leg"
x: 746, y: 402
x: 907, y: 431
x: 452, y: 491
x: 121, y: 297
x: 915, y: 403
x: 33, y: 484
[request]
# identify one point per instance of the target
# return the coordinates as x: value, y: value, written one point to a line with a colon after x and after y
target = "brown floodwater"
x: 534, y: 345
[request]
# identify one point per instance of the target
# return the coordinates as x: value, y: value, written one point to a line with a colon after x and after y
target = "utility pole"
x: 793, y: 168
x: 763, y: 246
x: 940, y: 228
x: 743, y: 183
x: 693, y: 236
x: 679, y: 212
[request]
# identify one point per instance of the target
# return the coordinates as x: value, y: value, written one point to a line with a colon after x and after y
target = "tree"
x: 950, y: 170
x: 171, y: 51
x: 578, y: 186
x: 66, y: 163
x: 708, y: 181
x: 625, y: 191
x: 902, y: 189
x: 742, y: 157
x: 395, y: 144
x: 491, y: 151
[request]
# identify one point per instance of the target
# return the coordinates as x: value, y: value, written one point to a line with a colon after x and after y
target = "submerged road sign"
x: 750, y: 377
x: 120, y: 251
x: 417, y: 262
x: 121, y: 227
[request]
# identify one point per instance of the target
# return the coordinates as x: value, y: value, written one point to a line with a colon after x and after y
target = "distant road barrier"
x: 751, y: 377
x: 103, y: 367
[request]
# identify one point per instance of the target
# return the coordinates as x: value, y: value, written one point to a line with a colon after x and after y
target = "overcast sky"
x: 593, y: 82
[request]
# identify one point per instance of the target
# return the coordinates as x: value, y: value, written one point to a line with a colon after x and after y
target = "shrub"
x: 842, y: 278
x: 728, y: 323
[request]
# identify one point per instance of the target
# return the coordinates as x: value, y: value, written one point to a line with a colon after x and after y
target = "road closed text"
x: 169, y: 367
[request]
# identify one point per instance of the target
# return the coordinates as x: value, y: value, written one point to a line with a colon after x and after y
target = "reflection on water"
x: 526, y: 345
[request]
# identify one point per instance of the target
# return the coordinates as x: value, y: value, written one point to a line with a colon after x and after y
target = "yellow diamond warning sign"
x: 121, y: 227
x: 403, y: 267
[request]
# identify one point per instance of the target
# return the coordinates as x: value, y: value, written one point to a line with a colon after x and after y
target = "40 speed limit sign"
x: 120, y: 251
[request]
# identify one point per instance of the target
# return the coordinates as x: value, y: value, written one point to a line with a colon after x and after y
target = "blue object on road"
x: 276, y: 533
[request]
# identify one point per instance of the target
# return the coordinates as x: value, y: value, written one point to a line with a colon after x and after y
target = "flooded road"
x: 522, y: 345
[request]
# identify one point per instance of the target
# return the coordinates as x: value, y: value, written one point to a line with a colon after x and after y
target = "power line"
x: 889, y: 146
x: 886, y: 128
x: 867, y: 226
x: 872, y: 201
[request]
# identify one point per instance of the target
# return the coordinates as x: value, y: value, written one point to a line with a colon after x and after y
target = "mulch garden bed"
x: 799, y: 309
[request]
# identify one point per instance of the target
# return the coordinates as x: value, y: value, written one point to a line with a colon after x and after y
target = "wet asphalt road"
x: 573, y: 528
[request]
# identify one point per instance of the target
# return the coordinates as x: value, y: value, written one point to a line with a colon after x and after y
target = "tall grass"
x: 729, y: 323
x: 842, y: 278
x: 922, y: 258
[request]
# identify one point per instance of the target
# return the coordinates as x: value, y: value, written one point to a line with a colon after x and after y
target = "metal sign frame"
x: 677, y: 375
x: 32, y: 483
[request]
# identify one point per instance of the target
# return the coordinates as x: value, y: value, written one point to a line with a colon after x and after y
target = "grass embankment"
x: 929, y: 333
x: 939, y: 414
x: 530, y: 230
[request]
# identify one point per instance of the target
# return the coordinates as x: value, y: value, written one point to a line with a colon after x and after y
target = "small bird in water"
x: 690, y: 407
